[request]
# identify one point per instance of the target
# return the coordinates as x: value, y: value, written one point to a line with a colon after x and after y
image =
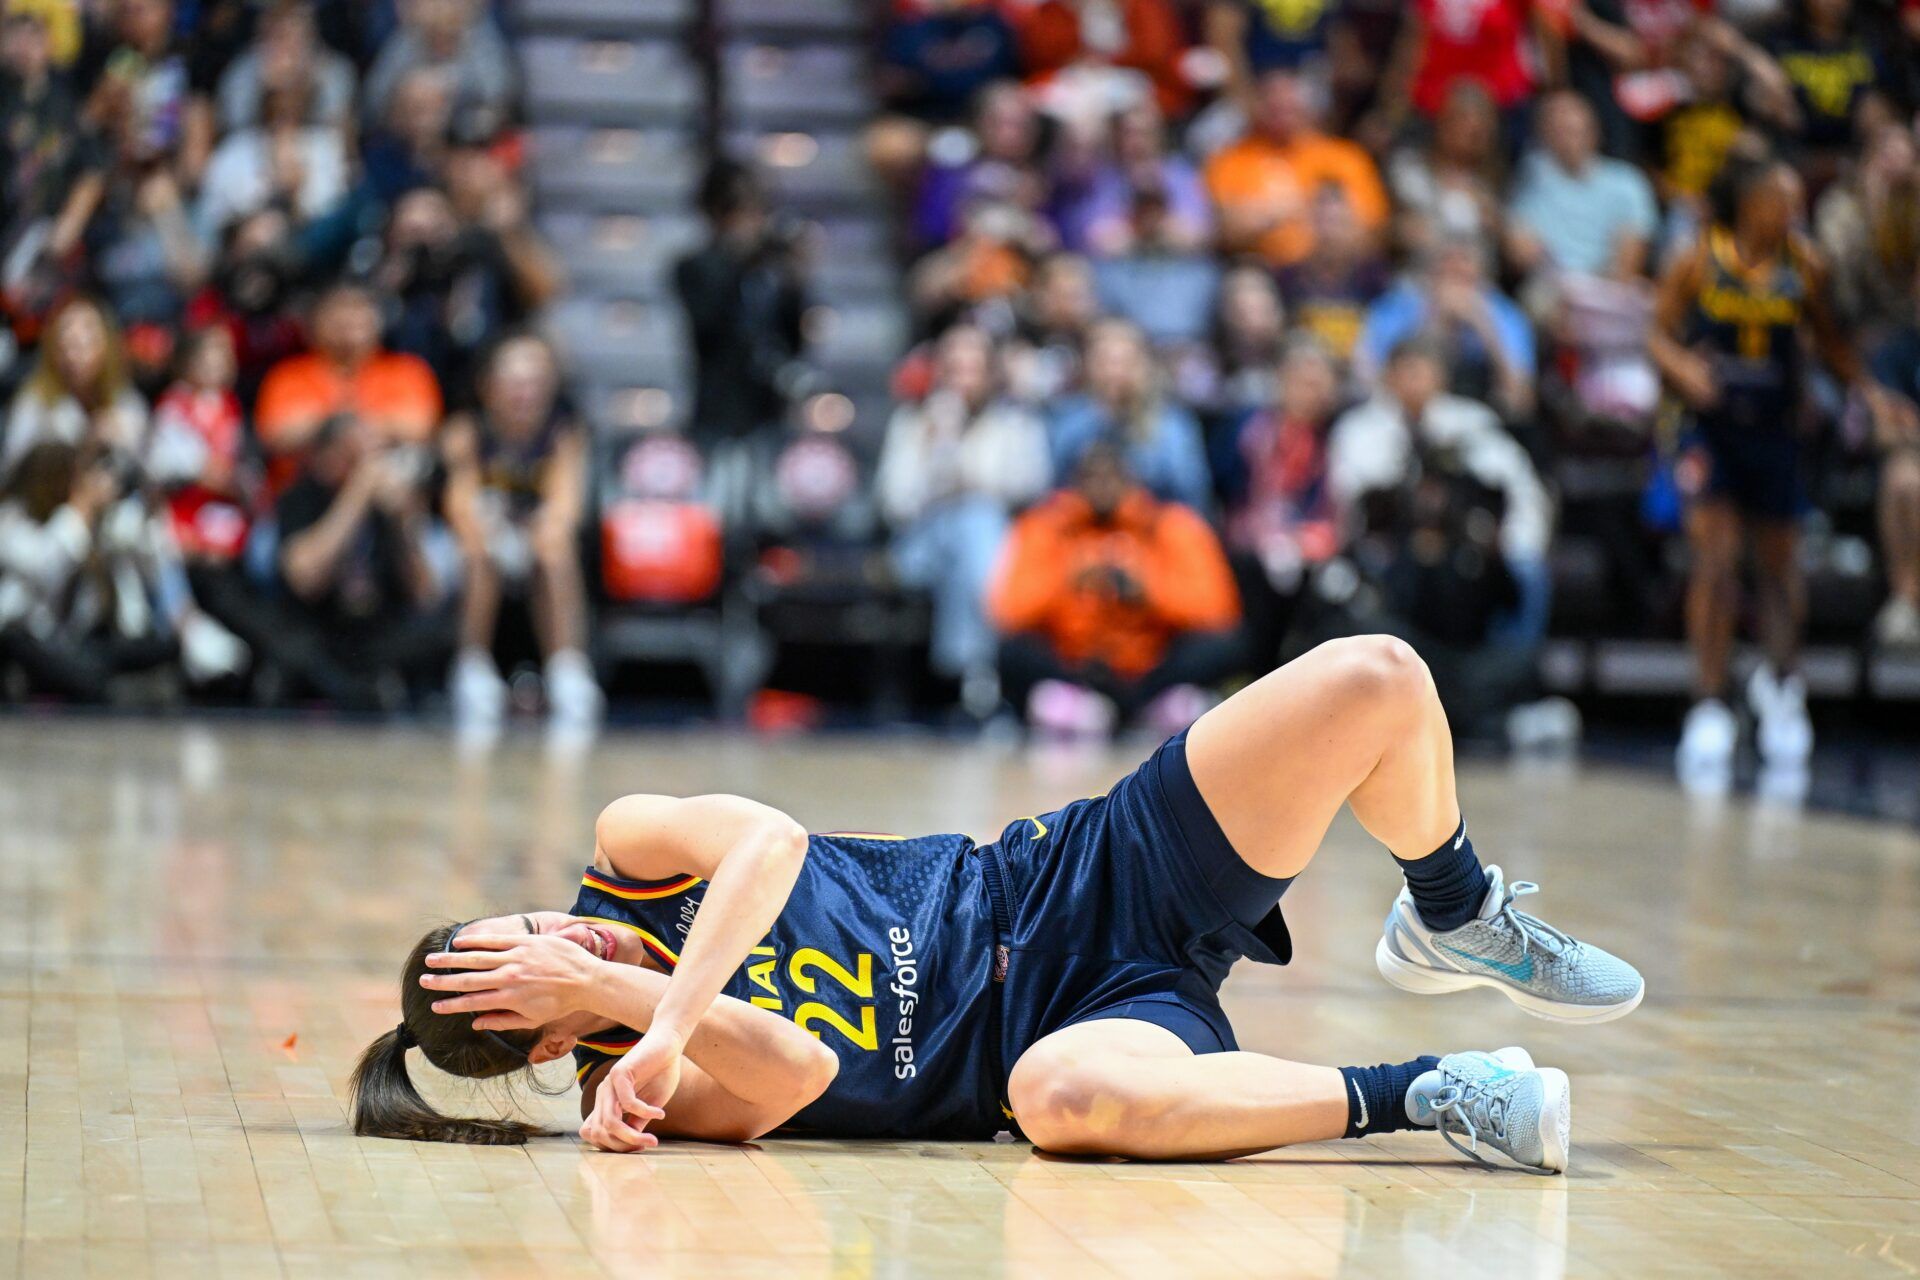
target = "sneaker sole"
x: 1424, y: 981
x: 1556, y: 1120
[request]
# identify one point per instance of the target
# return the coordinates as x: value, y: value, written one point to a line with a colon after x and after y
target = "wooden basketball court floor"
x: 201, y: 927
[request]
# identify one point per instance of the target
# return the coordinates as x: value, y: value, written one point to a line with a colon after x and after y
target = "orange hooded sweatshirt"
x: 1055, y: 579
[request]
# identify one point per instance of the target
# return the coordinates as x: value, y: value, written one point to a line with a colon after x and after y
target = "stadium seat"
x: 630, y: 169
x: 771, y: 86
x: 610, y: 82
x: 603, y: 18
x: 621, y: 255
x: 776, y: 19
x: 815, y: 173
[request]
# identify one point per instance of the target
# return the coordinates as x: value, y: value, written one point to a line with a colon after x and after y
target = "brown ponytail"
x: 385, y: 1102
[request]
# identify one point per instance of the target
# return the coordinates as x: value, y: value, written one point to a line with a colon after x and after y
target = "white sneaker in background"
x: 1707, y: 742
x: 479, y: 694
x: 1898, y: 625
x: 1177, y: 708
x: 1785, y: 734
x: 574, y: 701
x: 208, y: 651
x: 1545, y: 725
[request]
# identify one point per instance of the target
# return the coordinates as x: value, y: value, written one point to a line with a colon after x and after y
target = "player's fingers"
x: 489, y: 941
x: 461, y: 981
x: 501, y: 1020
x: 477, y: 1002
x: 628, y: 1097
x: 467, y: 959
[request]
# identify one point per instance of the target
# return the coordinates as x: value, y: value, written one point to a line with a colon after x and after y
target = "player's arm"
x: 749, y: 1071
x: 748, y: 853
x: 1684, y: 370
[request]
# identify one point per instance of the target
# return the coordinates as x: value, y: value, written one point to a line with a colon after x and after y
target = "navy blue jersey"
x: 884, y: 951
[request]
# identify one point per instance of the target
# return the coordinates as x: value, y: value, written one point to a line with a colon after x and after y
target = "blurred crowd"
x: 1243, y: 323
x: 278, y: 427
x: 1235, y: 325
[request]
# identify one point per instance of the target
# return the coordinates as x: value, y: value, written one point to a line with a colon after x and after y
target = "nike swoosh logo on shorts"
x: 1522, y: 971
x: 1362, y: 1100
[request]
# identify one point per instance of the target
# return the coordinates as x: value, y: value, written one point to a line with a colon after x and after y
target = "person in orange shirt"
x: 346, y: 372
x: 1112, y: 602
x: 1266, y: 182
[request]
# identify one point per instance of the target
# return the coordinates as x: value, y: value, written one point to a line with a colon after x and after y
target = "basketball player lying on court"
x: 724, y: 974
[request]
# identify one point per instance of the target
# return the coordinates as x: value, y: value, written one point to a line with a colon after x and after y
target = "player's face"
x: 593, y: 937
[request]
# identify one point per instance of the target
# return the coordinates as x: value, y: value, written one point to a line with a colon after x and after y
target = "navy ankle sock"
x: 1447, y: 885
x: 1377, y: 1096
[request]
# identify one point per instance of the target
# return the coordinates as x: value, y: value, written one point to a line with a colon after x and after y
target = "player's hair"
x: 382, y: 1095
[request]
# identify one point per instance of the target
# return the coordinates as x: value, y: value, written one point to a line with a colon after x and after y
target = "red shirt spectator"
x: 1479, y: 40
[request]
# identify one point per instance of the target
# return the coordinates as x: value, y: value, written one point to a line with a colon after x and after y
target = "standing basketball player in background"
x: 1729, y: 322
x: 1063, y: 978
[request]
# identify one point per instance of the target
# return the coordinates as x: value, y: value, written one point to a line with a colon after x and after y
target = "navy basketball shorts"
x: 1131, y: 905
x: 1754, y: 465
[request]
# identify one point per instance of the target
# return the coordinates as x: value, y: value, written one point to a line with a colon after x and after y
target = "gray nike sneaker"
x: 1498, y: 1100
x: 1533, y: 964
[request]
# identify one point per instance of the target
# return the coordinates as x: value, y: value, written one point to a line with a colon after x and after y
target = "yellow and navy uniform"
x: 1746, y: 319
x: 929, y: 964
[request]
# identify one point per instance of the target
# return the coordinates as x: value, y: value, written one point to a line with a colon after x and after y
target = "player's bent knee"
x: 1380, y: 670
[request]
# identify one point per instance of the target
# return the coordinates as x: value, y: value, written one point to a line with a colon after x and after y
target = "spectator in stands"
x: 953, y: 467
x: 1252, y: 38
x: 196, y: 456
x: 1082, y: 56
x: 1833, y: 68
x: 1897, y: 365
x: 454, y: 289
x: 144, y: 89
x: 516, y: 497
x: 1126, y: 406
x: 1281, y: 519
x: 1452, y: 184
x: 1575, y: 210
x: 985, y: 266
x: 1113, y: 603
x: 1410, y: 422
x: 64, y: 620
x: 53, y: 164
x: 284, y: 159
x: 1328, y: 294
x: 1487, y: 339
x: 994, y: 163
x: 392, y: 394
x: 1868, y: 225
x: 936, y: 56
x: 1712, y: 105
x: 366, y: 617
x: 287, y: 54
x: 1043, y: 362
x: 454, y: 38
x: 1264, y: 184
x: 1496, y: 45
x: 1160, y: 281
x: 407, y: 146
x: 1092, y: 204
x: 1232, y: 373
x: 1622, y: 55
x: 79, y: 392
x: 248, y: 297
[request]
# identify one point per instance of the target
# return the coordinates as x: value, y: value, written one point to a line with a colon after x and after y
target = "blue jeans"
x: 949, y: 552
x: 1525, y: 625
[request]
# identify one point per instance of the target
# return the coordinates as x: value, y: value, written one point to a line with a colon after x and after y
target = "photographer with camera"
x: 1450, y: 526
x: 744, y: 298
x: 367, y: 618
